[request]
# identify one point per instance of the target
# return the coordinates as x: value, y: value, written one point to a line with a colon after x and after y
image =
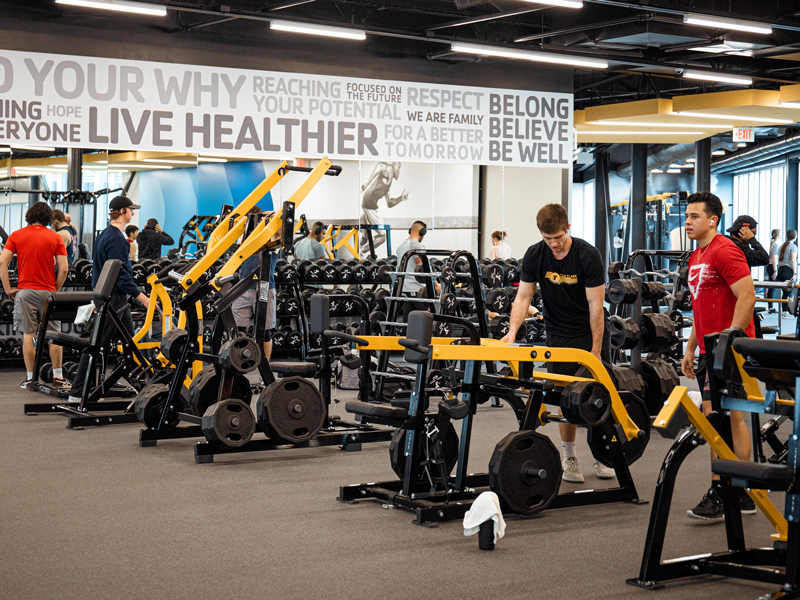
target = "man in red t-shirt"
x: 35, y: 246
x: 723, y: 297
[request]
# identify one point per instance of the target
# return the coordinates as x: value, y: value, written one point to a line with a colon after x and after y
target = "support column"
x: 637, y: 209
x: 75, y: 181
x: 601, y: 205
x: 702, y: 165
x: 791, y: 193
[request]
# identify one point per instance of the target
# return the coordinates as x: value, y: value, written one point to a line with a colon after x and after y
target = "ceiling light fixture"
x: 718, y: 153
x: 561, y: 3
x: 785, y: 104
x: 211, y: 159
x: 140, y: 8
x: 34, y: 148
x: 733, y: 79
x: 724, y: 23
x: 7, y: 150
x: 313, y: 29
x: 742, y: 144
x: 727, y: 51
x: 673, y: 170
x: 733, y: 117
x: 130, y: 166
x: 559, y: 59
x: 640, y: 132
x: 656, y: 171
x: 690, y: 160
x: 170, y: 161
x: 637, y: 124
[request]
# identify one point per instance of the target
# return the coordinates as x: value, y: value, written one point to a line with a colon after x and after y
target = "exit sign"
x: 743, y: 134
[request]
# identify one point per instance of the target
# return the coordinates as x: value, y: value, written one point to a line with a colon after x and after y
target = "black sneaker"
x: 746, y: 503
x: 710, y: 507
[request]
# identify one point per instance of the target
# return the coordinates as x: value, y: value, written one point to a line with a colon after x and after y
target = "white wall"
x: 512, y: 197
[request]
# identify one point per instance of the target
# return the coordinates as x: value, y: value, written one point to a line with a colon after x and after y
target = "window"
x: 582, y: 211
x: 762, y: 195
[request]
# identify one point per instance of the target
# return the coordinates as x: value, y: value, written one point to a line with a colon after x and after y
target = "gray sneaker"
x: 603, y: 472
x: 572, y: 472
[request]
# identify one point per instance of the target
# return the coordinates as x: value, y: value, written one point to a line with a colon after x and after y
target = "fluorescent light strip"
x: 677, y: 166
x: 702, y: 75
x: 742, y: 144
x: 733, y: 117
x: 718, y: 153
x: 723, y: 23
x: 786, y: 104
x: 673, y: 170
x: 210, y: 159
x: 34, y: 148
x: 641, y: 132
x: 8, y: 150
x: 690, y: 160
x: 727, y: 51
x: 166, y: 160
x: 559, y: 59
x: 128, y: 166
x: 561, y: 3
x: 637, y: 124
x: 118, y: 171
x: 656, y: 171
x: 127, y: 6
x: 313, y: 29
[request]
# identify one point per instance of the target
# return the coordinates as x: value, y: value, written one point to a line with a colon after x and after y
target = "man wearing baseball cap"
x: 112, y: 244
x: 150, y: 240
x: 743, y: 234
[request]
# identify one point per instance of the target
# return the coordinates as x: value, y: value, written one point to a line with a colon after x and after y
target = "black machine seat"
x: 69, y: 341
x: 760, y: 476
x: 377, y: 410
x: 771, y: 361
x: 402, y: 398
x: 301, y: 369
x: 106, y: 281
x: 787, y: 336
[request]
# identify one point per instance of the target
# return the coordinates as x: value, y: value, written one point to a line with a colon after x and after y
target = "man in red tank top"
x: 36, y: 247
x: 723, y: 297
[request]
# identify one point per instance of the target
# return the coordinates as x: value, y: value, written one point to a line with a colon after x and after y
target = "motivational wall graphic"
x: 75, y: 101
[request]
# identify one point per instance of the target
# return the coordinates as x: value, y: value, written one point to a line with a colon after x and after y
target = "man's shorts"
x: 29, y: 310
x: 244, y: 309
x: 371, y: 216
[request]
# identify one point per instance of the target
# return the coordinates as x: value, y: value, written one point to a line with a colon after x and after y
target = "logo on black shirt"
x: 559, y: 278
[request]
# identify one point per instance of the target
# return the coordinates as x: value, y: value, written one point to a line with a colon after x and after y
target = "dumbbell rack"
x: 301, y: 320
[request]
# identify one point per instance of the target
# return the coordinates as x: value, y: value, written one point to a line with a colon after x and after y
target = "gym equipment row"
x: 525, y: 468
x: 739, y: 363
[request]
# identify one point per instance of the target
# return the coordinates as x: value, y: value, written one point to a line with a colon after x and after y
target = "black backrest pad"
x: 320, y: 313
x: 773, y: 354
x: 420, y: 328
x: 107, y: 281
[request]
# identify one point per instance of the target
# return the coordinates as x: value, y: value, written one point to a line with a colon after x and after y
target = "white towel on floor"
x: 485, y: 507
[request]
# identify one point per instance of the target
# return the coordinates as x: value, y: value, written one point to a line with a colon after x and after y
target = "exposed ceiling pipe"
x: 762, y: 152
x: 665, y: 155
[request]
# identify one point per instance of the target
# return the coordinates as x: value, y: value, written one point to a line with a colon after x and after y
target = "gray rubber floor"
x: 88, y: 514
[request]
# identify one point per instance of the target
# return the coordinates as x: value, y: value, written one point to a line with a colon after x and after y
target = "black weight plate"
x: 149, y: 405
x: 291, y: 410
x: 228, y: 424
x: 173, y: 343
x: 660, y: 378
x: 240, y: 354
x: 525, y: 471
x: 205, y: 387
x: 397, y: 456
x: 637, y: 410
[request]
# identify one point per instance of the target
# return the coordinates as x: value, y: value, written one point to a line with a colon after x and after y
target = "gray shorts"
x: 244, y: 309
x: 29, y: 310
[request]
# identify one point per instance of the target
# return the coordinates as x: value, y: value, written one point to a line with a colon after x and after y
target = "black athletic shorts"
x: 583, y: 342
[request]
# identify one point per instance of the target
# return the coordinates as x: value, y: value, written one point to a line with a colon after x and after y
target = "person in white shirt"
x: 499, y: 249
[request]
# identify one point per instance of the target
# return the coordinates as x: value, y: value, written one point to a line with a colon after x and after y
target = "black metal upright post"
x: 601, y: 205
x: 75, y: 181
x: 637, y: 213
x: 702, y: 165
x: 791, y: 193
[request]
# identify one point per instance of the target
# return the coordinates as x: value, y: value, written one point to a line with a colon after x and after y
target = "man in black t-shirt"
x: 571, y: 276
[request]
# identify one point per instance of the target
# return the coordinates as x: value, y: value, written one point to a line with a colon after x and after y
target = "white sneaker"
x: 572, y: 472
x: 26, y: 385
x: 603, y: 472
x: 74, y: 399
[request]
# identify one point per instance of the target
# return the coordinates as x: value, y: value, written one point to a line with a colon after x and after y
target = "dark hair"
x: 58, y: 216
x: 40, y: 213
x: 552, y: 218
x: 419, y: 226
x: 317, y: 228
x: 131, y: 229
x: 499, y: 235
x: 713, y: 206
x: 775, y: 233
x: 791, y: 235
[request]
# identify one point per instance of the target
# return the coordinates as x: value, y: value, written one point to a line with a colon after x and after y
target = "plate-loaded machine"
x: 739, y: 363
x: 132, y: 364
x: 525, y: 469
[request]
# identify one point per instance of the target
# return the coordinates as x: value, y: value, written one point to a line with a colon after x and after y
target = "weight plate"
x: 397, y: 456
x: 173, y: 343
x: 240, y: 354
x: 204, y: 390
x: 149, y: 405
x: 601, y: 450
x: 660, y: 378
x: 291, y: 410
x: 621, y: 291
x: 228, y: 424
x: 585, y: 403
x: 657, y: 331
x: 625, y: 334
x: 525, y: 471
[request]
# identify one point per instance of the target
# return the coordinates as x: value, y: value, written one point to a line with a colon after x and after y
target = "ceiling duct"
x: 664, y: 155
x: 763, y: 152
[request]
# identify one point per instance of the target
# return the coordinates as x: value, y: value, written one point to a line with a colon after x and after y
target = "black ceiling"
x: 644, y: 41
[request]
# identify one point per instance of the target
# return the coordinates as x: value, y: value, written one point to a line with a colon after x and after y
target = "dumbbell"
x: 139, y: 274
x: 164, y: 263
x: 280, y: 303
x: 285, y: 271
x: 329, y: 271
x: 497, y: 300
x: 310, y: 271
x: 369, y: 297
x: 499, y: 326
x: 46, y: 372
x: 69, y: 369
x: 492, y: 274
x: 379, y: 272
x: 375, y: 319
x: 7, y: 309
x: 683, y: 300
x: 72, y: 276
x: 279, y: 339
x: 345, y: 272
x: 360, y: 271
x: 13, y: 348
x: 294, y: 339
x: 380, y: 300
x: 510, y: 271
